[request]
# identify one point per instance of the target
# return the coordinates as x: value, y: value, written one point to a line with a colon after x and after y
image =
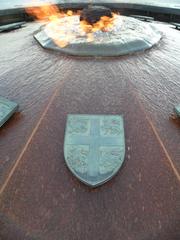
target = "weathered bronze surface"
x: 177, y: 25
x: 7, y: 108
x: 128, y: 35
x: 177, y: 110
x: 39, y: 197
x: 94, y: 147
x: 143, y: 18
x: 11, y: 26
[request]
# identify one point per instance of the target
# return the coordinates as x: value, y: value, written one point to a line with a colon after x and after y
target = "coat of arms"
x: 94, y: 147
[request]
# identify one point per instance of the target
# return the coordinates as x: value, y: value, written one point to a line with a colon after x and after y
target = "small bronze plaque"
x: 94, y: 147
x: 7, y: 108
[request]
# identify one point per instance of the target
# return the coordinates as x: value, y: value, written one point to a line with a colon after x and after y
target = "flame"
x: 104, y: 24
x: 51, y: 14
x: 61, y: 36
x: 45, y: 12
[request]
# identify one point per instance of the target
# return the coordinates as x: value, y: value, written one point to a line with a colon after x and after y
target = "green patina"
x: 11, y: 26
x: 94, y: 147
x: 7, y: 108
x: 177, y: 110
x: 128, y: 35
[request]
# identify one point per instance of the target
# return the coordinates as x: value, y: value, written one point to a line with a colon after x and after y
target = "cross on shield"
x: 94, y: 147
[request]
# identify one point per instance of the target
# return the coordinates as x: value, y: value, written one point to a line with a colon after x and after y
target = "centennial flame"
x: 104, y: 24
x: 61, y: 36
x: 48, y: 12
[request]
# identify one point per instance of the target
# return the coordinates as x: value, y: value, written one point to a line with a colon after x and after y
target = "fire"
x: 104, y: 24
x: 61, y: 35
x: 51, y: 14
x: 48, y: 13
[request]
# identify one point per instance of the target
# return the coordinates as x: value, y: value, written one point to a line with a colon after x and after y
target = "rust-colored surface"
x: 40, y: 199
x: 28, y: 75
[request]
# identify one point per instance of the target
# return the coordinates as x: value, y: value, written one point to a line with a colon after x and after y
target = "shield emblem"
x: 7, y: 109
x: 94, y: 147
x: 177, y: 110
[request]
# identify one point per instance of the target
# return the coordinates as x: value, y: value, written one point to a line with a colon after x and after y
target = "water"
x: 19, y: 3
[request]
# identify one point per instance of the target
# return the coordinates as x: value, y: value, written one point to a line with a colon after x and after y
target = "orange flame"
x: 52, y: 14
x: 47, y: 12
x: 104, y: 24
x: 60, y: 35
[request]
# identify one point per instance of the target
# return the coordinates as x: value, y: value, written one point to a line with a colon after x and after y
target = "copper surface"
x: 40, y: 199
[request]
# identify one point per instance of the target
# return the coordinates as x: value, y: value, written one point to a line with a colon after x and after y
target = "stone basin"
x: 127, y: 36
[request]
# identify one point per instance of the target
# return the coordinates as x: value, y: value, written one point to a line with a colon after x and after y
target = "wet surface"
x: 40, y: 199
x: 28, y: 77
x: 128, y: 35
